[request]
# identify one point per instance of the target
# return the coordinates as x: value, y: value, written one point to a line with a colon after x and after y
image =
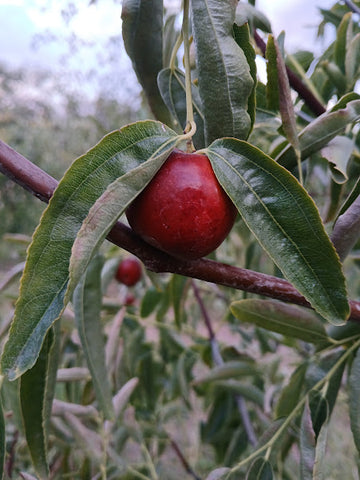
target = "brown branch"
x: 183, y: 460
x: 42, y: 185
x: 295, y: 82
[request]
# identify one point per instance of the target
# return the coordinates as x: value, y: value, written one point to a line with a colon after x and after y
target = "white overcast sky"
x: 21, y: 19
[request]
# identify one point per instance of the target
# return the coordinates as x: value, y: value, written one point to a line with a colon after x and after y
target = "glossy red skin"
x: 183, y: 211
x: 128, y: 272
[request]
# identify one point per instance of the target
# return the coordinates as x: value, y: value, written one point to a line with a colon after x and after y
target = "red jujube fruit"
x: 183, y: 211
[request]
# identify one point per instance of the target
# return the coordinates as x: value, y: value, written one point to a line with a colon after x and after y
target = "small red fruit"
x: 183, y: 211
x: 129, y: 300
x: 129, y: 271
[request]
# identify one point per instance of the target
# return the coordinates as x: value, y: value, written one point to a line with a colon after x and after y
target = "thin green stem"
x: 269, y: 445
x: 175, y: 51
x: 137, y: 474
x: 149, y: 462
x: 190, y: 123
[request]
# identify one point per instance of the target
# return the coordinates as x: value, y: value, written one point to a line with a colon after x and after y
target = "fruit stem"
x: 175, y: 51
x: 190, y: 123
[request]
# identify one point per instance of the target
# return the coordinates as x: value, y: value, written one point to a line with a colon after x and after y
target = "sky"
x: 21, y: 22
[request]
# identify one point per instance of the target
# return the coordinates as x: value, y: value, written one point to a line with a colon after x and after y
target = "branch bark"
x: 39, y: 183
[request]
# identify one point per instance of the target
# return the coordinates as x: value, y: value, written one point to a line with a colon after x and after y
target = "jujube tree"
x: 223, y: 147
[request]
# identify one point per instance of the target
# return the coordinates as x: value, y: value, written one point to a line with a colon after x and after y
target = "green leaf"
x: 272, y: 85
x: 2, y: 440
x: 352, y: 61
x: 45, y: 278
x: 343, y: 36
x: 354, y: 395
x: 338, y: 153
x: 313, y: 437
x: 307, y: 445
x: 290, y: 395
x: 87, y: 307
x: 35, y: 406
x: 319, y: 410
x: 321, y: 444
x: 248, y: 391
x: 150, y: 301
x: 218, y: 473
x: 171, y: 84
x: 353, y: 195
x: 260, y: 469
x: 320, y: 367
x: 335, y: 75
x: 142, y: 30
x: 123, y: 396
x: 247, y: 13
x: 109, y: 207
x: 178, y: 285
x: 224, y: 77
x: 226, y: 371
x: 289, y: 320
x: 242, y: 38
x: 318, y: 133
x: 285, y: 221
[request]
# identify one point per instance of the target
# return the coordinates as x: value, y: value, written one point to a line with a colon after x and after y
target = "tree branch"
x: 32, y: 178
x: 354, y: 8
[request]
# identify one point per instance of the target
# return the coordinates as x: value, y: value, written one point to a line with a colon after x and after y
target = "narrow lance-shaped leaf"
x: 171, y: 84
x: 224, y: 77
x: 285, y: 102
x: 338, y: 153
x: 319, y: 133
x: 178, y: 285
x: 87, y: 306
x: 320, y: 419
x: 226, y: 370
x: 260, y: 469
x: 307, y: 445
x: 285, y: 221
x: 354, y: 395
x: 142, y: 30
x: 45, y: 278
x: 272, y: 85
x: 352, y: 61
x: 347, y: 229
x: 218, y: 473
x: 108, y: 208
x: 2, y: 439
x: 343, y: 37
x: 242, y: 38
x: 290, y: 395
x: 288, y: 320
x: 34, y: 407
x: 313, y: 437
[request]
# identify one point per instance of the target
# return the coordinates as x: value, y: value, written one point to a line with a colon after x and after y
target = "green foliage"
x: 189, y: 376
x: 224, y: 77
x: 115, y: 156
x: 283, y: 223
